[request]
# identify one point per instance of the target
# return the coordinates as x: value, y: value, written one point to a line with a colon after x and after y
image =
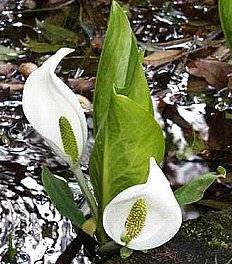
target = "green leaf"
x: 8, y: 53
x: 56, y: 34
x: 68, y: 138
x: 11, y: 250
x: 195, y: 145
x: 228, y: 115
x: 51, y: 39
x: 125, y: 252
x: 194, y: 191
x: 196, y: 142
x: 225, y: 14
x: 62, y: 197
x: 41, y: 47
x: 120, y: 65
x: 123, y: 146
x: 126, y: 134
x: 89, y: 227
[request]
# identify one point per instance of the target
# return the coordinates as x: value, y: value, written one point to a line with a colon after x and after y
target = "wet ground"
x: 195, y: 112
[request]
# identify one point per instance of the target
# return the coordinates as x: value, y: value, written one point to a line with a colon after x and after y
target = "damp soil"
x: 195, y: 113
x: 204, y: 240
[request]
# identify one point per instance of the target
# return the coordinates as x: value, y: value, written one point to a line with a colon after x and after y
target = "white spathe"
x: 46, y: 98
x: 163, y: 214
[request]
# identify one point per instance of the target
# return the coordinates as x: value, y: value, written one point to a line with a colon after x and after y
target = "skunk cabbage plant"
x: 130, y: 199
x: 144, y: 216
x: 54, y: 110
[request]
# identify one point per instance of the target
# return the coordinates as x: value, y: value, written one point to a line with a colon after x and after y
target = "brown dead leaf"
x: 222, y: 53
x: 220, y: 130
x: 97, y: 42
x: 11, y: 86
x: 6, y: 69
x: 4, y: 93
x: 82, y: 84
x: 229, y: 85
x: 196, y: 85
x: 214, y: 72
x: 85, y: 103
x: 161, y: 57
x: 51, y: 3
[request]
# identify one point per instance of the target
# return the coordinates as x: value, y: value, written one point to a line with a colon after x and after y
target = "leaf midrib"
x: 105, y: 170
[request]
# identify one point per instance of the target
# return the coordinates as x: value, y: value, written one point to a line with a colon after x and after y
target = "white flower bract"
x: 163, y: 214
x: 46, y: 98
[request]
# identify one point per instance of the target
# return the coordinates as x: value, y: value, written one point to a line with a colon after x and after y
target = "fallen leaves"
x: 214, y: 72
x: 6, y: 69
x: 161, y: 57
x: 11, y: 86
x: 51, y: 3
x: 8, y: 73
x: 82, y: 84
x: 85, y: 103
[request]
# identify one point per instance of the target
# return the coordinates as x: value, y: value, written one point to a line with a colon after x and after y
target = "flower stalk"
x: 91, y: 201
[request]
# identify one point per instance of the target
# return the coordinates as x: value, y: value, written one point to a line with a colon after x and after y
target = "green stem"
x: 86, y: 191
x: 101, y: 235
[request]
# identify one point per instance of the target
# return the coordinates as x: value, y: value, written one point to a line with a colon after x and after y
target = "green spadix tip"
x: 68, y: 138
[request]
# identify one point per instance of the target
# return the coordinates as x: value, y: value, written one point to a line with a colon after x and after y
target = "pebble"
x: 27, y: 68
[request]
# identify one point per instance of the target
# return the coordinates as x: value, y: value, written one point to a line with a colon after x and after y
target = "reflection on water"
x: 39, y: 233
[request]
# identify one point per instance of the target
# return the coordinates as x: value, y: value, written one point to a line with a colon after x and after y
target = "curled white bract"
x: 46, y: 99
x: 163, y: 214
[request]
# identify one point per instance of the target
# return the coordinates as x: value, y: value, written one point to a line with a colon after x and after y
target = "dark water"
x: 39, y: 233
